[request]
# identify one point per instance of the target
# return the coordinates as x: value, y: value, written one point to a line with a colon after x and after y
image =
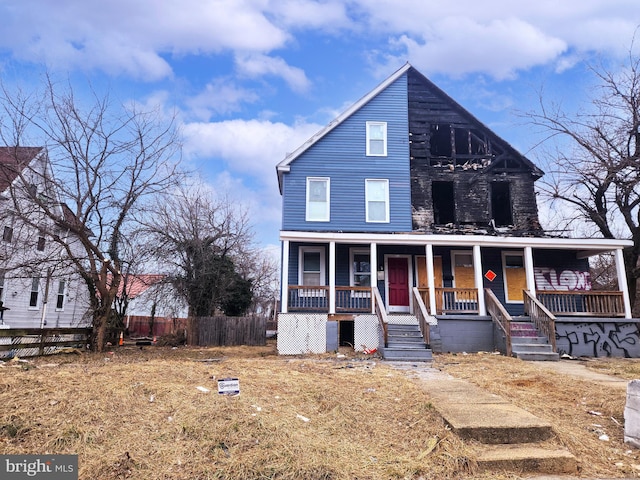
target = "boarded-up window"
x: 463, y: 274
x: 515, y: 279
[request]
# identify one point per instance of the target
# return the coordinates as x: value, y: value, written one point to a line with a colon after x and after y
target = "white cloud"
x: 130, y: 36
x: 258, y: 65
x: 220, y: 96
x: 250, y: 147
x: 457, y: 46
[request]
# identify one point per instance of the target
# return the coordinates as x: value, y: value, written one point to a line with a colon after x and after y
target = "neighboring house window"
x: 35, y: 290
x: 311, y: 267
x: 60, y: 297
x: 377, y: 139
x: 41, y: 243
x: 515, y: 278
x: 318, y: 196
x: 377, y: 198
x: 7, y: 234
x: 2, y: 280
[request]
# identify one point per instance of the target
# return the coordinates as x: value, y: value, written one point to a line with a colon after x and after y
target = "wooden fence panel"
x: 227, y: 331
x: 33, y: 342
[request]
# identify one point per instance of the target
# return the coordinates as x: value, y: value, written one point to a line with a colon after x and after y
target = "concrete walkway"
x: 577, y: 369
x: 508, y: 435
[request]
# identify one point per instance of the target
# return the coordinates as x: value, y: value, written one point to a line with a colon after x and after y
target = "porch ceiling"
x: 587, y: 246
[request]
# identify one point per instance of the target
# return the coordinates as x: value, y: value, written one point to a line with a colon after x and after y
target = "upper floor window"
x: 41, y: 243
x: 377, y: 200
x: 377, y: 139
x: 317, y: 199
x: 7, y: 234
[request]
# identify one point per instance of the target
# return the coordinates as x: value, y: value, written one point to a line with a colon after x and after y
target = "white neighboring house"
x: 38, y: 286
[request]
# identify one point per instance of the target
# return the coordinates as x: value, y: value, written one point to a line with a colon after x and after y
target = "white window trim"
x: 323, y: 276
x: 64, y: 295
x: 515, y: 253
x: 372, y: 271
x: 328, y: 201
x: 386, y: 200
x: 384, y: 139
x: 39, y: 297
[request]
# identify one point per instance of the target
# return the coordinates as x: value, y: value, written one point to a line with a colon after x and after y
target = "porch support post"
x: 431, y: 281
x: 284, y: 278
x: 477, y: 270
x: 622, y: 282
x: 332, y: 277
x: 373, y: 267
x: 528, y: 271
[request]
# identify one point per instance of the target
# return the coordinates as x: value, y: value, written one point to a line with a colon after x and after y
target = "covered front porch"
x: 335, y: 273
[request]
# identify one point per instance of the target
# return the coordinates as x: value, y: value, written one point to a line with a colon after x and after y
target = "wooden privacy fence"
x: 226, y: 331
x: 34, y: 342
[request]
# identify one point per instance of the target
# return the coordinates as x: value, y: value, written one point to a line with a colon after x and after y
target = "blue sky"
x: 253, y: 79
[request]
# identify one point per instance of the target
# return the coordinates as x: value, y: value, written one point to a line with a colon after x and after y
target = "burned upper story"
x: 463, y: 176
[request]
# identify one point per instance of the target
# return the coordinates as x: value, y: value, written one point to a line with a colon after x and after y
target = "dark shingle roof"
x: 12, y: 161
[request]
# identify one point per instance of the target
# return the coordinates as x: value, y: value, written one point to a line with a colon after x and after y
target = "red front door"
x: 398, y: 275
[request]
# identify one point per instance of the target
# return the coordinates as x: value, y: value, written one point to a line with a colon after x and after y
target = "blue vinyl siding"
x: 341, y: 156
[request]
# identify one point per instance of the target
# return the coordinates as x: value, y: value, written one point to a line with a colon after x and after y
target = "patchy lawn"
x: 139, y: 414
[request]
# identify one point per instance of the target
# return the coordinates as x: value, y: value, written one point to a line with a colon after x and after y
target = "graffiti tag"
x: 549, y: 279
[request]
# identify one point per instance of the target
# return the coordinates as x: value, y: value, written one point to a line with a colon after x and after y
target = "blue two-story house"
x: 405, y: 214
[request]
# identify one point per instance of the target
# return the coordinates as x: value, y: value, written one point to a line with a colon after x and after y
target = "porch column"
x: 373, y: 269
x: 528, y: 271
x: 332, y: 277
x: 477, y: 270
x: 431, y: 281
x: 622, y: 282
x: 284, y: 278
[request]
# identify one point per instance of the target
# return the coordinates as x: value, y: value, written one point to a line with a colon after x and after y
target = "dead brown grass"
x: 137, y: 414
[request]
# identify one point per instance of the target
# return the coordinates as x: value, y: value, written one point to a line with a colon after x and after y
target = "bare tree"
x: 595, y: 172
x: 107, y: 160
x: 203, y: 240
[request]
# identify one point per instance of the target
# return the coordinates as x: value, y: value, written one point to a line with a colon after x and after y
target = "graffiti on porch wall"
x: 598, y: 339
x: 550, y: 279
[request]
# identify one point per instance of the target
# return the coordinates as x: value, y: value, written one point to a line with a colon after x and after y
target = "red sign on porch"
x: 490, y: 275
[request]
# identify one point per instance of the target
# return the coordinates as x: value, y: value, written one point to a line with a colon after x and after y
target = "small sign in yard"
x: 229, y: 386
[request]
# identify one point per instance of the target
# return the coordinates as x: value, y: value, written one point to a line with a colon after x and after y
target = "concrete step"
x: 529, y: 339
x: 531, y: 348
x: 538, y: 357
x: 408, y: 346
x: 408, y: 354
x: 405, y: 338
x: 526, y: 458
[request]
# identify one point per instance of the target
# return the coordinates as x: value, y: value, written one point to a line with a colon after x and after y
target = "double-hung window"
x: 35, y: 290
x: 377, y: 139
x: 312, y: 271
x: 377, y: 200
x: 360, y: 270
x: 60, y: 296
x: 318, y: 196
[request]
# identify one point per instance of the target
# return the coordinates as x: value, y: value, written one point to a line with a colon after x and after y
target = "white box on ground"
x: 228, y: 386
x: 632, y: 415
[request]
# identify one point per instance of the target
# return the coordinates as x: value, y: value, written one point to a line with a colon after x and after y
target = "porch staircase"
x: 405, y: 341
x: 528, y: 344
